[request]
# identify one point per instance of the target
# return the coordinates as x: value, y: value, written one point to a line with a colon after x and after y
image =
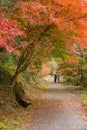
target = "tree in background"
x: 75, y: 67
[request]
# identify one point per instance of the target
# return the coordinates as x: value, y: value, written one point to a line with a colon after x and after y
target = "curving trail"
x: 57, y: 109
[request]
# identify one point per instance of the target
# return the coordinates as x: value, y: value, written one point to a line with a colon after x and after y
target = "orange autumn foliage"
x: 73, y: 60
x: 66, y: 15
x: 45, y: 70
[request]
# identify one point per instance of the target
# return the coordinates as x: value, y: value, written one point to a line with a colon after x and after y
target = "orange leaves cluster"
x: 65, y: 14
x: 73, y: 60
x: 45, y: 70
x: 31, y: 11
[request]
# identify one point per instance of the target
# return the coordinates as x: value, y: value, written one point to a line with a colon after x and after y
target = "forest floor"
x: 58, y: 108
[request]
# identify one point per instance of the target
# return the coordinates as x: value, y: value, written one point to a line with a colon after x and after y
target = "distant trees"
x: 75, y: 67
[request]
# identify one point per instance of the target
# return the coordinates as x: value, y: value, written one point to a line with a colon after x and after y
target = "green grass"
x: 84, y: 98
x: 41, y: 85
x: 10, y: 124
x: 2, y: 126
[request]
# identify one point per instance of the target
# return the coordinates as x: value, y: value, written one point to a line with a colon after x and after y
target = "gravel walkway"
x: 58, y: 109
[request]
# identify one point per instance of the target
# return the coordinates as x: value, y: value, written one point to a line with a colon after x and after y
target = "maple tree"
x: 43, y: 20
x: 75, y: 65
x: 80, y: 51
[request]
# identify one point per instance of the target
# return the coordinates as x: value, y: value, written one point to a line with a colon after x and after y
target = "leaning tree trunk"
x: 14, y: 78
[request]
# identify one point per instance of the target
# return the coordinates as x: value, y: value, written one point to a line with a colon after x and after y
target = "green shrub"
x: 84, y: 83
x: 2, y: 126
x: 76, y: 81
x: 1, y: 102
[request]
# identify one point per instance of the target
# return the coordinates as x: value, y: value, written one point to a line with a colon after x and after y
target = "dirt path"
x: 57, y: 109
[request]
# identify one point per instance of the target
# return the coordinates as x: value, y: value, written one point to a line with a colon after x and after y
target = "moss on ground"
x: 12, y: 116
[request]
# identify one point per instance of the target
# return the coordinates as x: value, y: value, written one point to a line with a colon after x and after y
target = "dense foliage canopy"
x: 48, y: 29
